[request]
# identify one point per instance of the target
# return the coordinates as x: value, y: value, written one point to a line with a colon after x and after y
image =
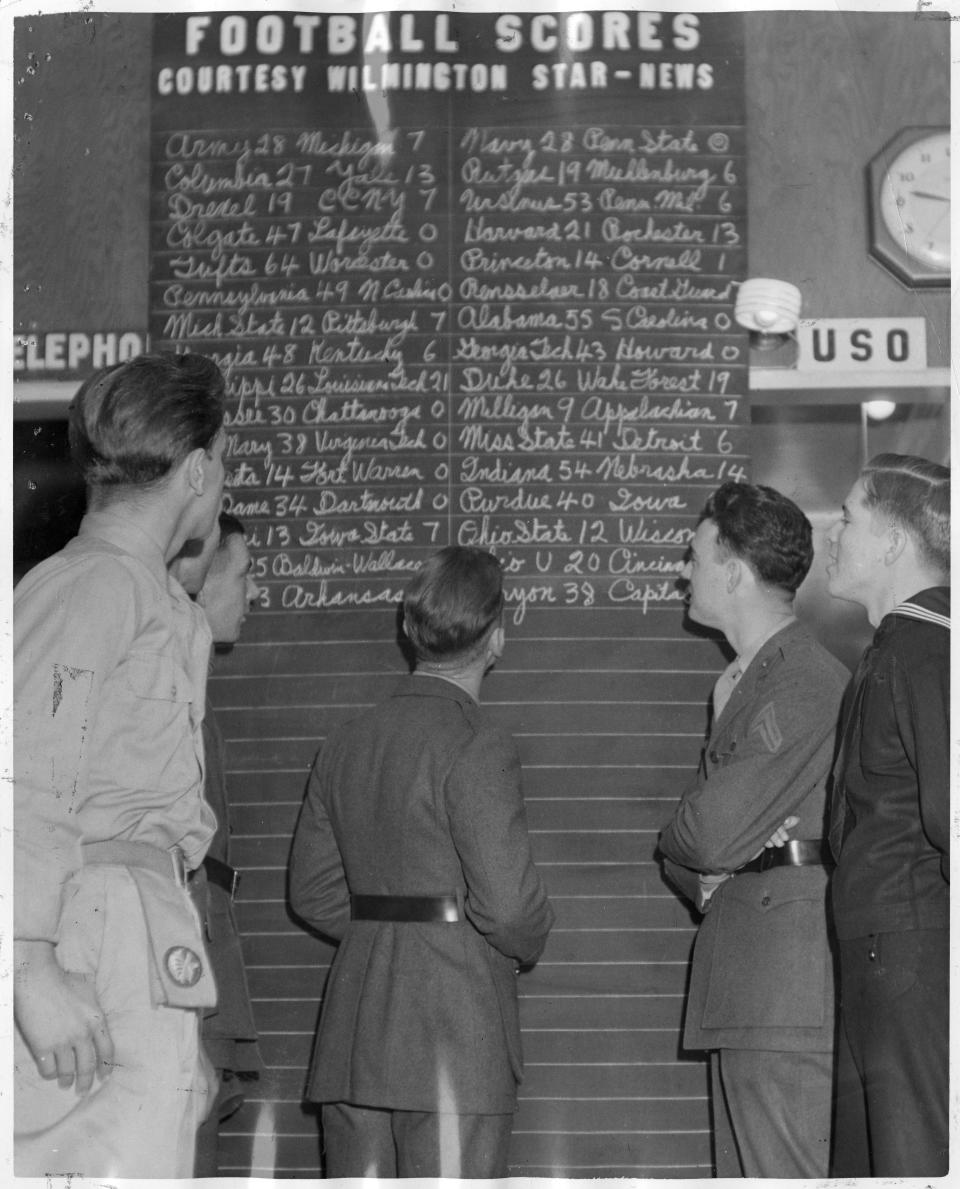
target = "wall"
x: 826, y: 91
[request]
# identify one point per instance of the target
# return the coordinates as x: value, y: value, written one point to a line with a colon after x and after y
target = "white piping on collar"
x: 915, y: 611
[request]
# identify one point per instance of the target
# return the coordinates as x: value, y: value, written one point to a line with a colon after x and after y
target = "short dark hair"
x: 915, y: 493
x: 230, y: 526
x: 452, y: 602
x: 131, y: 423
x: 765, y: 529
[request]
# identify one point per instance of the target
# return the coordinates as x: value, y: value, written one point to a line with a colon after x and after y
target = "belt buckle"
x: 179, y: 866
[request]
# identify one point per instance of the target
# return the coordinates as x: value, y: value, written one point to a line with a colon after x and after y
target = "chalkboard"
x: 471, y: 280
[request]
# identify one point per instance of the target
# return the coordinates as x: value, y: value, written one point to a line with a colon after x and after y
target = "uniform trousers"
x: 141, y: 1119
x: 369, y: 1142
x: 893, y: 1056
x: 771, y: 1113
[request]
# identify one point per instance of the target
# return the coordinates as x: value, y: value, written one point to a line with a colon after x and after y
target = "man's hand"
x: 59, y: 1017
x: 780, y: 835
x: 708, y: 885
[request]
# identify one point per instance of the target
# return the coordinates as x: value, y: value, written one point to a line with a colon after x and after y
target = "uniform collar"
x: 757, y: 645
x: 931, y: 605
x: 426, y: 685
x: 127, y: 535
x: 773, y: 643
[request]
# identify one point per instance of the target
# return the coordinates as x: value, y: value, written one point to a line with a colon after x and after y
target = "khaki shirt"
x: 110, y: 670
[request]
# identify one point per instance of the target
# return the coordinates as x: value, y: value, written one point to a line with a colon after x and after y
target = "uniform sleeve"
x: 747, y: 790
x: 72, y: 627
x: 686, y: 882
x: 318, y: 885
x: 923, y: 719
x: 506, y: 900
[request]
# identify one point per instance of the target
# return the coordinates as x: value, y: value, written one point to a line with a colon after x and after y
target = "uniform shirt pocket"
x: 771, y: 965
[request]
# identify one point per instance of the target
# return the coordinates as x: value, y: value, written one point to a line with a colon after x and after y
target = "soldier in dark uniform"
x: 412, y: 852
x: 219, y: 576
x: 890, y: 832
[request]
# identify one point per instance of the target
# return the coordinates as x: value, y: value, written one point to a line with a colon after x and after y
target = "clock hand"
x: 927, y: 194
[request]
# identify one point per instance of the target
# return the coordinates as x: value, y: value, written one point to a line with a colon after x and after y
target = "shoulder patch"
x: 765, y: 725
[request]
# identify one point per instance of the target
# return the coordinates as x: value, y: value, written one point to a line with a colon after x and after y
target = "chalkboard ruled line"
x: 519, y: 735
x: 644, y: 896
x: 557, y: 1031
x: 555, y: 932
x: 613, y: 1098
x: 262, y: 615
x: 544, y: 962
x: 613, y: 1131
x: 600, y: 1064
x: 503, y: 670
x: 288, y: 1065
x: 626, y: 799
x: 569, y: 1171
x: 592, y: 930
x: 226, y: 707
x: 527, y: 767
x: 309, y: 1032
x: 540, y: 863
x: 600, y: 800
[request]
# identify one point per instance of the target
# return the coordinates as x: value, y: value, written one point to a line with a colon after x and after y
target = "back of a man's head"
x: 765, y: 529
x: 452, y: 602
x: 915, y: 494
x: 132, y: 423
x: 197, y: 557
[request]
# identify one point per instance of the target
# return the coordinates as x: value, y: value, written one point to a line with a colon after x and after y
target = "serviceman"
x: 890, y: 833
x: 412, y: 852
x: 110, y: 668
x: 761, y: 997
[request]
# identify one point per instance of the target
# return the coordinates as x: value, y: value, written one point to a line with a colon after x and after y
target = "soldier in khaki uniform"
x: 761, y: 994
x: 110, y: 666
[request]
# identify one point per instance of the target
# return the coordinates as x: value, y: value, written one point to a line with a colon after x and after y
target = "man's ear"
x: 193, y: 470
x: 896, y: 543
x: 498, y: 639
x: 734, y: 568
x: 403, y: 625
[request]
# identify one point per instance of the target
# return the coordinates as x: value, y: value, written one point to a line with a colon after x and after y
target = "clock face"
x: 912, y: 205
x: 915, y: 200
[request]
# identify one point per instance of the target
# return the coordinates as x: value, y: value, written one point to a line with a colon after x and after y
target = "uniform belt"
x: 121, y: 853
x: 439, y: 909
x: 222, y: 874
x: 798, y: 852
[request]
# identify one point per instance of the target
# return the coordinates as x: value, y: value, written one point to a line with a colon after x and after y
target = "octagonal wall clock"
x: 909, y: 206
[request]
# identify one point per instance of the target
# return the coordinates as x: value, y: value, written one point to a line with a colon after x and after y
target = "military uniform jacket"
x: 762, y: 972
x: 420, y: 796
x: 228, y: 1030
x: 891, y: 827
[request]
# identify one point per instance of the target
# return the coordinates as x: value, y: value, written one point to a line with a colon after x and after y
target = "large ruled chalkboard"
x: 471, y: 279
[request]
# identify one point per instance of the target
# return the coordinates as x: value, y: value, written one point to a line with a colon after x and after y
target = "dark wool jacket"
x: 891, y: 814
x: 762, y: 972
x: 228, y: 1030
x: 420, y: 796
